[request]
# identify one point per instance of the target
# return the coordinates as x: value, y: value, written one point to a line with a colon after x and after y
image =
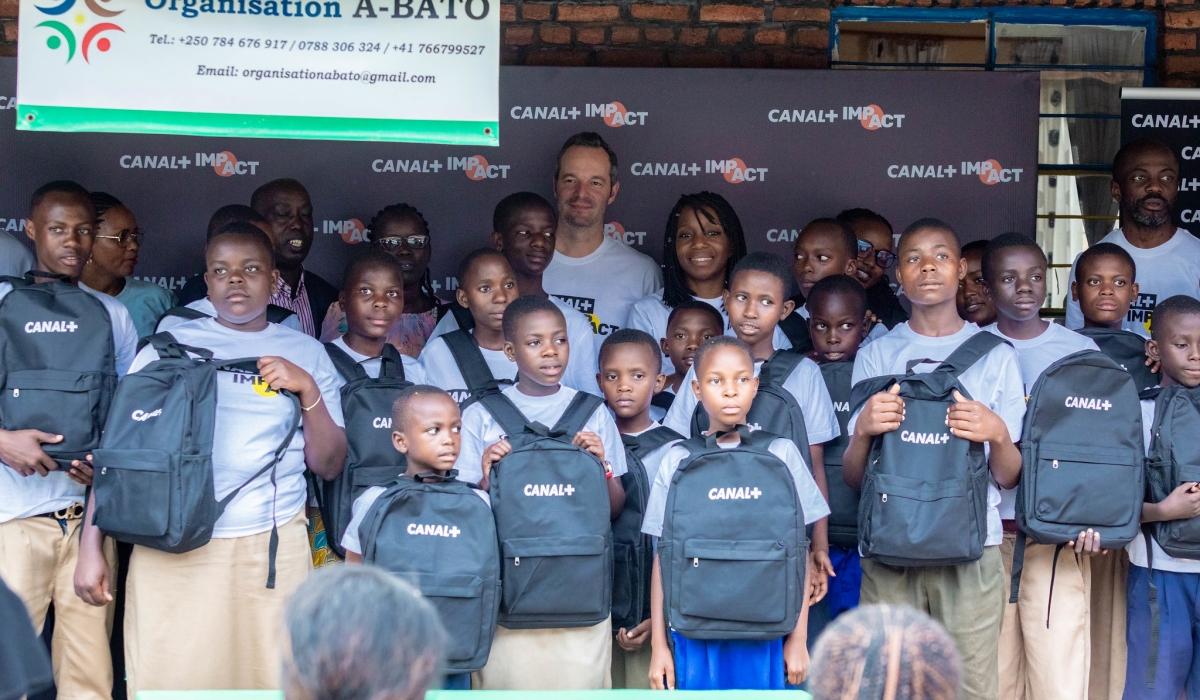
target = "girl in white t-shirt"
x: 205, y: 619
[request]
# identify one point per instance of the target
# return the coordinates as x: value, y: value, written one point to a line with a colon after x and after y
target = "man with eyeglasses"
x: 875, y: 257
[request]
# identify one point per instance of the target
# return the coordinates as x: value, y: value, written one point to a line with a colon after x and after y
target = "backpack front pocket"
x: 1184, y: 534
x: 133, y: 491
x: 54, y: 401
x: 1090, y: 486
x: 734, y: 580
x: 555, y: 575
x: 919, y: 520
x: 458, y: 599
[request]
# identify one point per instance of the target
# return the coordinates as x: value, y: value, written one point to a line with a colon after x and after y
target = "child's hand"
x: 971, y: 420
x: 92, y: 577
x: 22, y: 451
x: 662, y: 669
x: 592, y: 443
x: 820, y: 569
x: 1153, y: 364
x: 497, y: 451
x: 1182, y: 504
x: 633, y: 640
x: 1087, y: 543
x: 795, y: 658
x: 278, y: 373
x: 81, y: 471
x: 882, y: 413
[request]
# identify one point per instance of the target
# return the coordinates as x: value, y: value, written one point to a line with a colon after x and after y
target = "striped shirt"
x: 282, y: 296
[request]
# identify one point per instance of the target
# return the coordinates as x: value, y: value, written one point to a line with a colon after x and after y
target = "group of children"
x: 714, y: 370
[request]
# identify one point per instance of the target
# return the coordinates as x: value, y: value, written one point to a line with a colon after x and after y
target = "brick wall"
x: 736, y: 33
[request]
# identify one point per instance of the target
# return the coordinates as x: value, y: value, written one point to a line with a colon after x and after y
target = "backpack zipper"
x: 16, y: 393
x: 696, y: 562
x: 885, y: 498
x: 1055, y: 464
x: 516, y: 561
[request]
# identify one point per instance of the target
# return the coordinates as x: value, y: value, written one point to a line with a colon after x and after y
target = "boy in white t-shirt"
x: 41, y: 505
x: 1045, y: 651
x: 968, y: 599
x: 688, y: 325
x: 372, y: 298
x: 215, y: 594
x: 535, y: 338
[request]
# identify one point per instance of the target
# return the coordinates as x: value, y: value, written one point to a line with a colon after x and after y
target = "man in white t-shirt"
x: 598, y: 275
x: 1145, y: 183
x: 41, y: 504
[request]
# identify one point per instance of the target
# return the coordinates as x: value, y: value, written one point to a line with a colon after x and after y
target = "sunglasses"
x: 415, y: 242
x: 883, y: 258
x: 123, y: 240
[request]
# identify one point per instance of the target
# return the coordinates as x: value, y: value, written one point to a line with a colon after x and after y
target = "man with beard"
x: 286, y: 206
x: 1145, y: 183
x: 598, y: 275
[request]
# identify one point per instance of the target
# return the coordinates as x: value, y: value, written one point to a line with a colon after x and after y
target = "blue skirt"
x: 729, y: 664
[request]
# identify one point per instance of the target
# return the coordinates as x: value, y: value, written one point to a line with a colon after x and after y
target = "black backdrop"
x: 783, y: 146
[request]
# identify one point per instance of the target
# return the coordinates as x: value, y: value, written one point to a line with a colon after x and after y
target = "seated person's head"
x: 359, y: 633
x: 873, y: 230
x: 523, y: 226
x: 630, y: 371
x: 973, y: 301
x: 402, y: 232
x: 372, y: 295
x: 486, y: 286
x: 426, y: 428
x: 1014, y: 268
x: 930, y: 264
x: 690, y: 324
x: 286, y: 206
x: 725, y: 383
x: 837, y: 311
x: 235, y: 212
x: 1175, y: 340
x: 240, y: 272
x: 115, y: 240
x: 535, y: 337
x: 885, y: 651
x: 758, y: 297
x: 1105, y: 284
x: 61, y: 224
x: 824, y: 247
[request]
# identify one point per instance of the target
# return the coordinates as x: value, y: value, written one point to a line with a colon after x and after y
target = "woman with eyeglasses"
x: 875, y: 256
x: 402, y: 232
x: 115, y: 248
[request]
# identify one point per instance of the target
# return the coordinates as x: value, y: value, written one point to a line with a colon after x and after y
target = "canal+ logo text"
x: 224, y: 164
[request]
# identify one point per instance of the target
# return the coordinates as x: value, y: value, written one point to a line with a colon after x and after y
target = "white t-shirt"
x: 15, y: 257
x: 363, y: 504
x: 442, y: 371
x: 877, y: 331
x: 24, y: 496
x: 805, y: 383
x: 1170, y: 269
x: 413, y: 371
x: 206, y: 307
x: 1034, y: 356
x: 811, y: 499
x: 480, y: 430
x: 252, y: 420
x: 1137, y: 548
x: 995, y: 381
x: 604, y: 284
x: 581, y: 363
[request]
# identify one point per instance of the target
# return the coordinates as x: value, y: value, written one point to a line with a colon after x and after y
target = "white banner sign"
x: 377, y: 70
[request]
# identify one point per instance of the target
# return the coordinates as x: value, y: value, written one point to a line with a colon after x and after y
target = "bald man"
x: 1145, y: 183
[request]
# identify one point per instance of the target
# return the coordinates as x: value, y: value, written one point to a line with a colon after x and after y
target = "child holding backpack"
x: 630, y: 373
x: 428, y: 525
x: 550, y: 457
x: 203, y: 619
x: 940, y: 442
x: 56, y: 327
x: 729, y: 577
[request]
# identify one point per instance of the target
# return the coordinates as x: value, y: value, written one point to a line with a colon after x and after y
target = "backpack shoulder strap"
x: 653, y: 439
x: 970, y: 352
x: 1150, y: 394
x: 470, y: 361
x: 462, y: 316
x: 346, y: 366
x: 581, y: 408
x: 278, y: 314
x: 169, y: 348
x: 663, y: 400
x: 860, y: 392
x: 780, y: 366
x: 795, y: 327
x: 185, y: 312
x: 505, y: 412
x: 392, y: 363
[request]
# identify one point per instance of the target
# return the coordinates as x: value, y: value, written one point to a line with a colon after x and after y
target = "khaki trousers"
x: 968, y: 599
x: 205, y: 620
x: 549, y: 659
x: 630, y: 670
x: 37, y: 561
x: 1042, y: 660
x: 1110, y: 575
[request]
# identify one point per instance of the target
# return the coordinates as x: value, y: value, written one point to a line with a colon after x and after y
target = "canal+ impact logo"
x: 63, y: 35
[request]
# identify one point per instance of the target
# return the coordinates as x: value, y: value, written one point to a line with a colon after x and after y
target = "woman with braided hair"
x: 885, y: 652
x: 400, y: 230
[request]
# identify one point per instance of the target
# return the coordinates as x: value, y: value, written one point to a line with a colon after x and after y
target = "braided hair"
x: 400, y: 212
x: 706, y: 204
x: 102, y: 202
x: 885, y: 651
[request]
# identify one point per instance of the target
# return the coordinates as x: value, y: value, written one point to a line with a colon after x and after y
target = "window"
x: 1085, y: 57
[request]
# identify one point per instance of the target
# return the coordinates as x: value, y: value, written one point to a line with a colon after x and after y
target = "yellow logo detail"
x: 262, y: 388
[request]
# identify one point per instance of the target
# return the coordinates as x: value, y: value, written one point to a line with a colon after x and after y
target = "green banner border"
x: 130, y: 121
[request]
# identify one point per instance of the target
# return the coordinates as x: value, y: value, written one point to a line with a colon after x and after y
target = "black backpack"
x: 58, y: 366
x: 472, y: 366
x: 774, y: 409
x: 733, y: 551
x: 795, y: 328
x: 925, y: 491
x: 1128, y: 350
x: 843, y: 500
x: 153, y: 470
x: 550, y: 499
x: 1082, y: 457
x: 633, y: 551
x: 371, y: 459
x: 663, y: 399
x: 275, y: 314
x: 439, y: 534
